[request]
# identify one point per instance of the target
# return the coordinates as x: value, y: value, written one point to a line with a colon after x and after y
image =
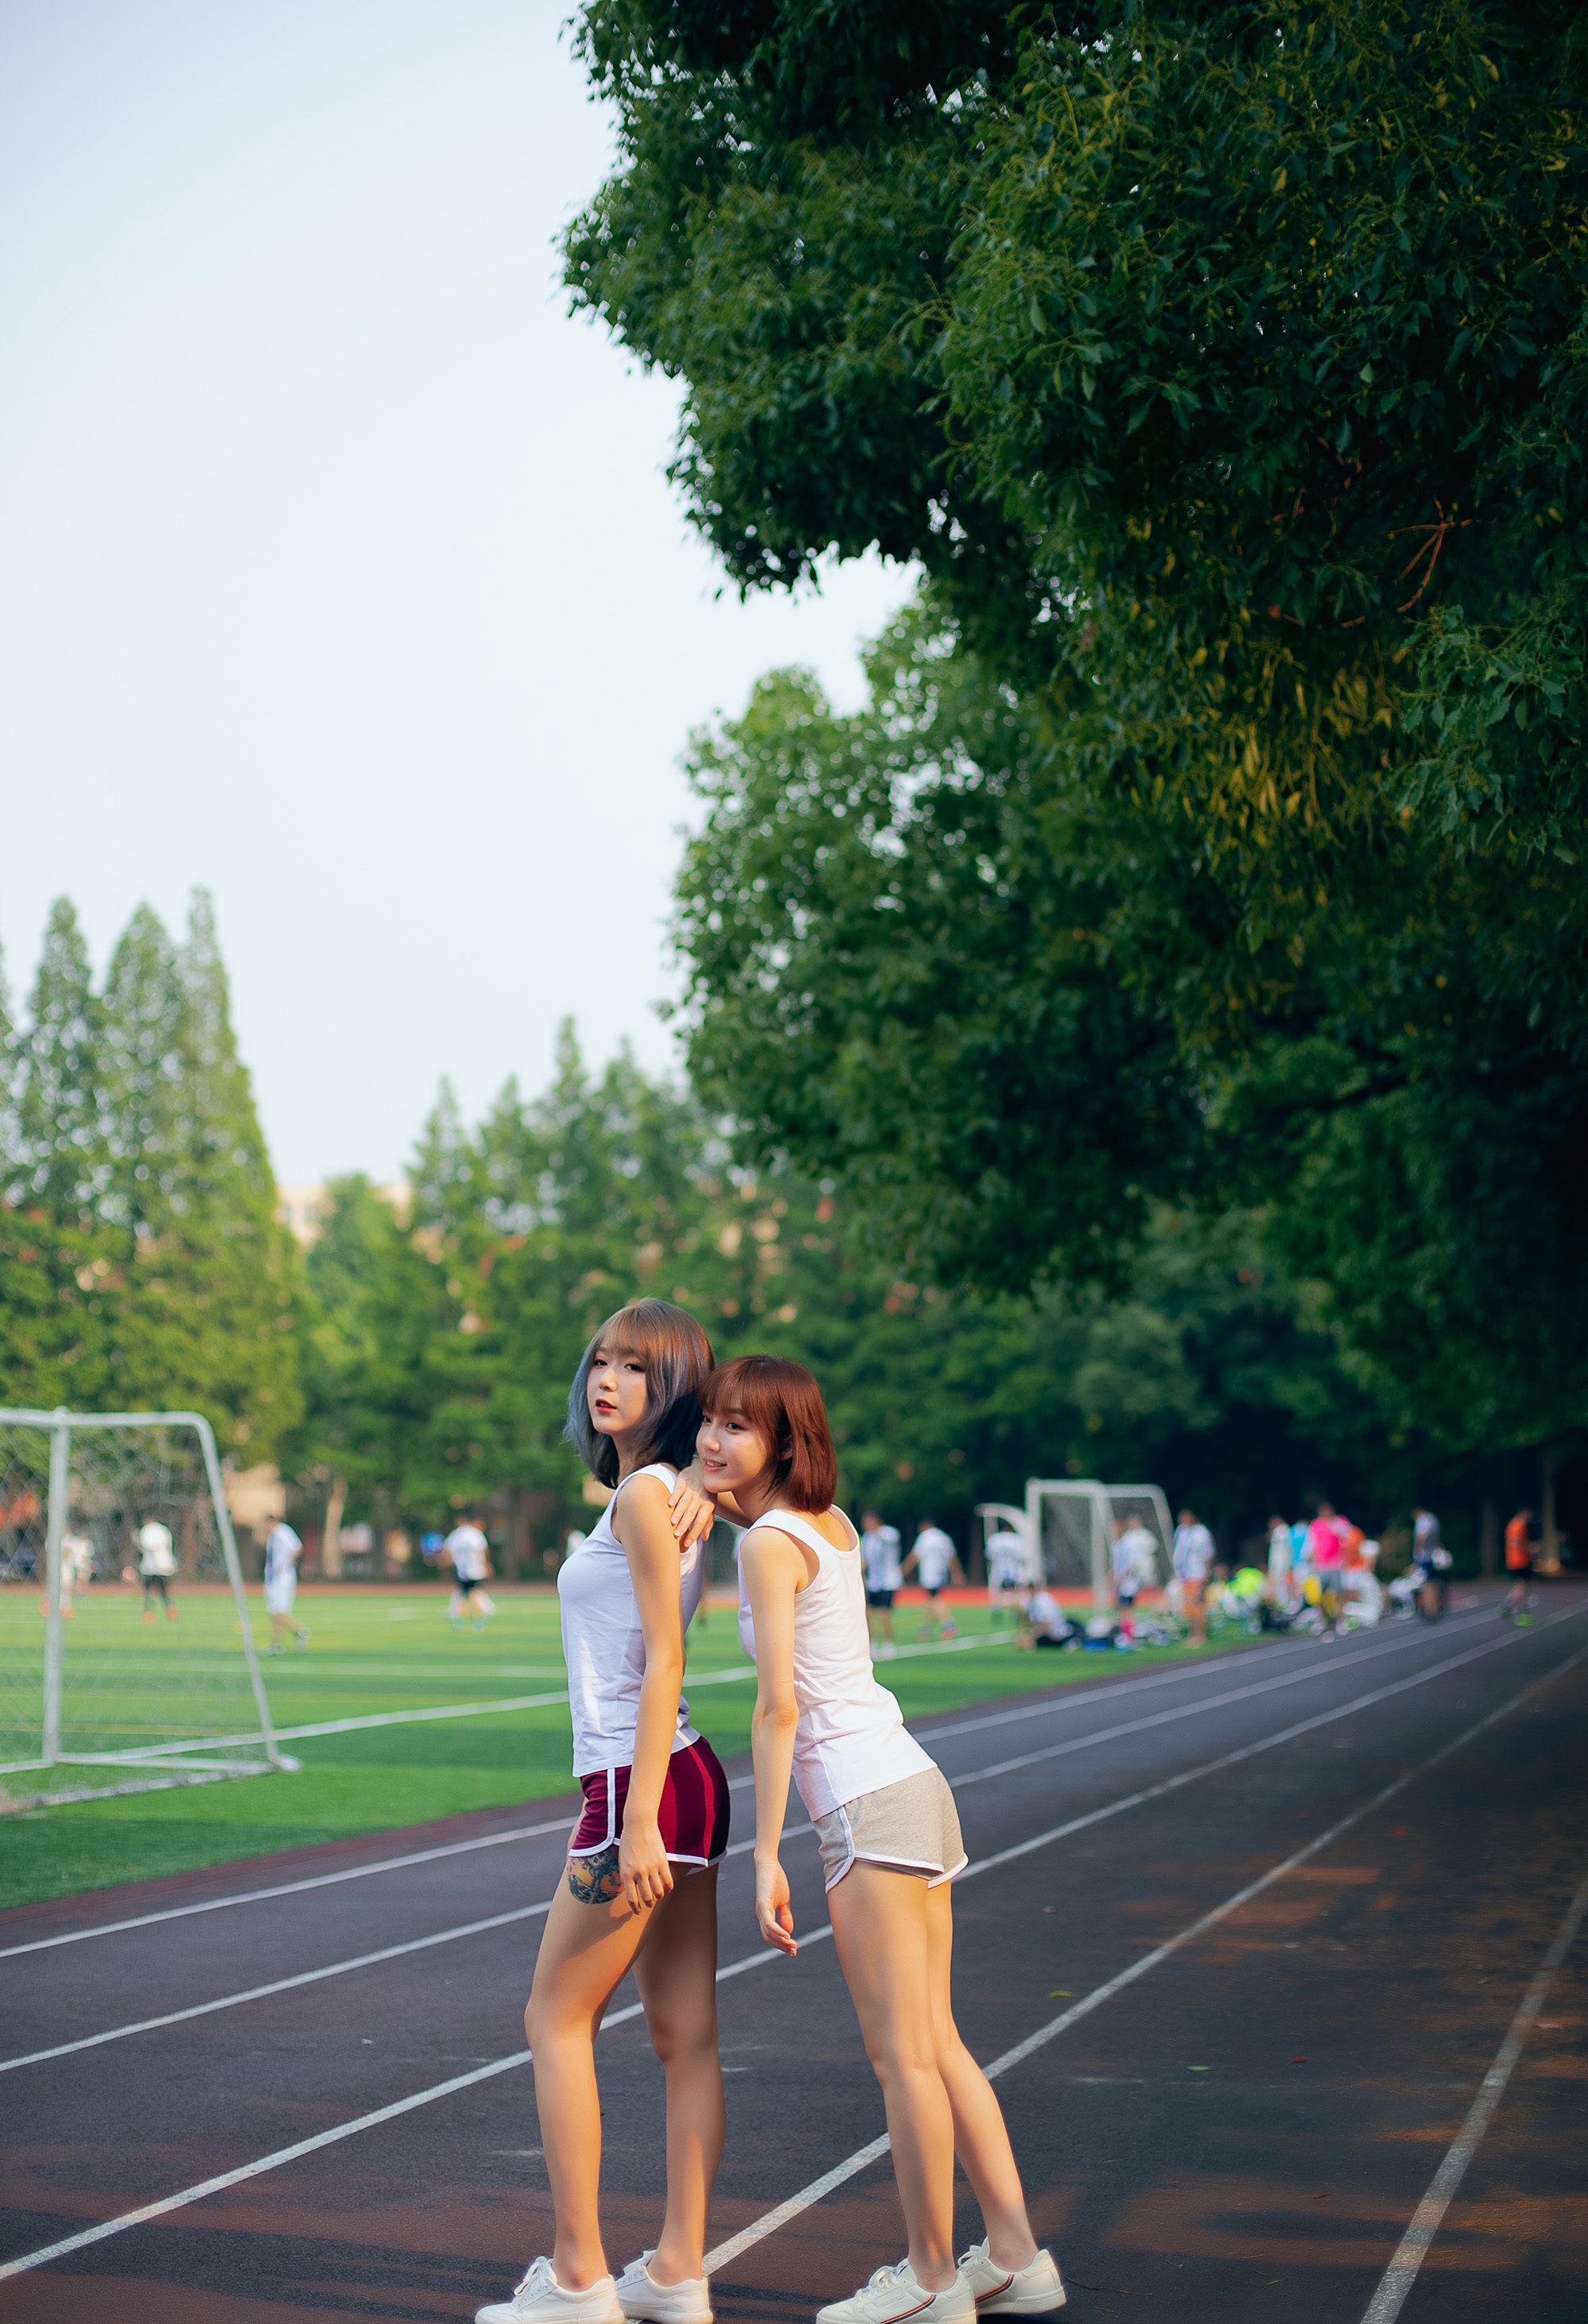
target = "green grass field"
x: 379, y: 1652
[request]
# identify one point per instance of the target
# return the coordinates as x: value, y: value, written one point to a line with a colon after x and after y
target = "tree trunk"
x: 331, y: 1553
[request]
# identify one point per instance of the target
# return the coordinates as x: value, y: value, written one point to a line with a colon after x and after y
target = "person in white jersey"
x: 468, y: 1553
x: 157, y: 1563
x: 282, y: 1550
x: 656, y: 1809
x: 935, y: 1561
x: 77, y: 1570
x: 890, y: 1841
x: 1133, y: 1557
x: 880, y: 1558
x: 1006, y: 1568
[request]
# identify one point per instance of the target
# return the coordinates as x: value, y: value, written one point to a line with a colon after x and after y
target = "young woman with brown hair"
x: 656, y: 1809
x: 890, y: 1842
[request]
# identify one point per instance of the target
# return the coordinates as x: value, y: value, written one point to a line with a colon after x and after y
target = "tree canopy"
x: 141, y: 1263
x: 1215, y: 834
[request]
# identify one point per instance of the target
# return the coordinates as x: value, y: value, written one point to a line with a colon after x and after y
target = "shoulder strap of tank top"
x: 786, y: 1521
x: 668, y: 1475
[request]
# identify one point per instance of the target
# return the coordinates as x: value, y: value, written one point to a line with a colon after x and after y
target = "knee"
x: 898, y: 2054
x: 677, y: 2035
x: 545, y: 2024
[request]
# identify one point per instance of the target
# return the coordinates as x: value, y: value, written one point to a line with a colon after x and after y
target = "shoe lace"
x: 535, y: 2277
x: 890, y: 2275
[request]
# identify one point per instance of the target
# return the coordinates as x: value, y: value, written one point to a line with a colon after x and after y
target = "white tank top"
x: 851, y: 1737
x: 604, y: 1645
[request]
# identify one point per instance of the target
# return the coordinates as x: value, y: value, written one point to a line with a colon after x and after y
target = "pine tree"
x: 209, y: 1320
x: 141, y: 1076
x: 61, y: 1124
x: 442, y: 1176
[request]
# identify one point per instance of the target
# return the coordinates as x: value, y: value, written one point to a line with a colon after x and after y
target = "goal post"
x: 90, y: 1703
x: 1069, y: 1528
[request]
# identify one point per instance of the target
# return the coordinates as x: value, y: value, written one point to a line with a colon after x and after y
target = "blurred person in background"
x: 157, y: 1565
x: 282, y: 1550
x: 880, y: 1549
x: 935, y: 1561
x: 1193, y: 1561
x: 469, y: 1555
x: 1006, y: 1567
x: 1519, y: 1546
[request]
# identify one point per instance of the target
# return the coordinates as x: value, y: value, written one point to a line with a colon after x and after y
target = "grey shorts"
x: 909, y: 1827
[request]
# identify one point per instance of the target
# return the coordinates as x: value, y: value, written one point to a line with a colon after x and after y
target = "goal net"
x: 127, y: 1660
x: 1071, y: 1521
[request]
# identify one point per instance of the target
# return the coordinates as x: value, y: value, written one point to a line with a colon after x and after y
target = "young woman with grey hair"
x: 640, y: 1887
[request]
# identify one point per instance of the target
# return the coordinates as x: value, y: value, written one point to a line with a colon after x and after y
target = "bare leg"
x: 676, y: 1973
x: 879, y: 1924
x: 981, y: 2141
x: 585, y: 1953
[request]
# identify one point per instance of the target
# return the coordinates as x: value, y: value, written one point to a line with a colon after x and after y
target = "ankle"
x: 1012, y: 2247
x: 667, y: 2266
x: 577, y: 2272
x: 933, y: 2276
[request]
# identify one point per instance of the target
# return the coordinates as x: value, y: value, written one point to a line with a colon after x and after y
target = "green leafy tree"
x: 140, y: 1077
x: 1214, y: 836
x: 60, y: 1128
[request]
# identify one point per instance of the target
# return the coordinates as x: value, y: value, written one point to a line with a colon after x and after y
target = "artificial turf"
x: 378, y: 1650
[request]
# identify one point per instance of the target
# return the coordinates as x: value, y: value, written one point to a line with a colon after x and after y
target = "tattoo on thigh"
x: 595, y: 1879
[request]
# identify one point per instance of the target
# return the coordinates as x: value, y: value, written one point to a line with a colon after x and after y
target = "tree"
x: 140, y: 1075
x: 60, y: 1121
x: 1223, y: 369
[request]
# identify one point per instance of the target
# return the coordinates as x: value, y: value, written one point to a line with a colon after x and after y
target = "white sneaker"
x: 1032, y: 2290
x: 895, y: 2292
x: 640, y: 2294
x: 539, y: 2299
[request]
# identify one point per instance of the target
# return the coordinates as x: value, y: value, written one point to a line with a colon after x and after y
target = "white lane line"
x: 864, y: 2156
x: 858, y: 2162
x: 959, y: 1782
x: 1402, y: 2274
x: 735, y: 1676
x: 1078, y: 1701
x: 1334, y: 1658
x: 285, y: 2154
x: 563, y: 1823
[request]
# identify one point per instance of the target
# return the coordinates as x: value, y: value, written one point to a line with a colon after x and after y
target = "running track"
x: 1278, y: 1957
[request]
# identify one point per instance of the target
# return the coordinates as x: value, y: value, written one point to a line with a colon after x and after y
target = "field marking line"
x: 794, y: 2204
x: 324, y: 2138
x: 722, y: 2253
x: 1425, y: 2221
x: 854, y: 2163
x: 1077, y: 1700
x: 735, y: 1674
x: 740, y: 1848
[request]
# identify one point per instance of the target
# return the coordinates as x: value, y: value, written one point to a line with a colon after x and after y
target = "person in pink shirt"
x: 1326, y: 1542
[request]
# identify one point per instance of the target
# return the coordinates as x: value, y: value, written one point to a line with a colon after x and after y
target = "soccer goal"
x: 127, y: 1660
x: 1069, y: 1525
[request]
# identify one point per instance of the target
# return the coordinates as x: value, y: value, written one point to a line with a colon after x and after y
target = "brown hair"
x: 678, y: 1357
x: 782, y: 1403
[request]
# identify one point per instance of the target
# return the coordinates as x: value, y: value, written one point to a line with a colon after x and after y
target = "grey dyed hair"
x: 678, y: 1357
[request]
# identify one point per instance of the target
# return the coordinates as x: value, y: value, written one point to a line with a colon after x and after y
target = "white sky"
x: 338, y: 571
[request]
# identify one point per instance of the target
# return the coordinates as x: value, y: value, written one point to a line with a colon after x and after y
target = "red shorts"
x: 693, y: 1810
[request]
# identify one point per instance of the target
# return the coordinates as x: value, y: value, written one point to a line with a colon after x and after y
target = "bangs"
x: 677, y: 1356
x: 782, y: 1403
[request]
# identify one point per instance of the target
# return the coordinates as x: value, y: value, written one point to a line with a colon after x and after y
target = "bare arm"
x: 774, y: 1571
x: 692, y: 1482
x: 644, y: 1528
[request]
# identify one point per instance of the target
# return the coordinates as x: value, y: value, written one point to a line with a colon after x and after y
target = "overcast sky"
x: 338, y: 570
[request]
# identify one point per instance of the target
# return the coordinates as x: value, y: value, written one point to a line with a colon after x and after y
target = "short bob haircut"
x: 678, y: 1357
x: 782, y: 1403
